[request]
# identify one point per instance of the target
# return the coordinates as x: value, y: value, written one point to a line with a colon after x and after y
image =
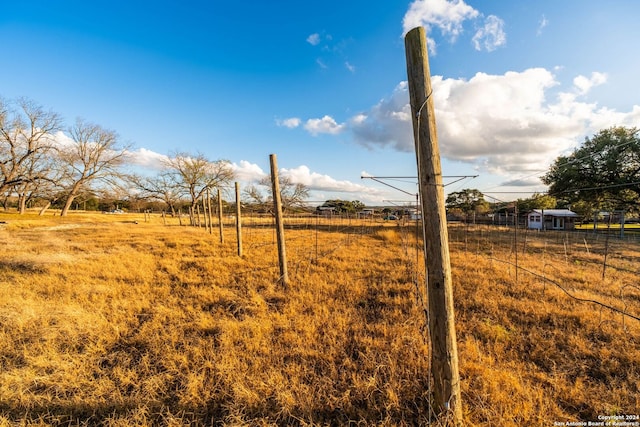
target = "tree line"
x: 602, y: 174
x: 46, y: 163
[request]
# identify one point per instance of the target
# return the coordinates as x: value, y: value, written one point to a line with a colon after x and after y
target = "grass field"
x: 112, y: 320
x: 613, y: 228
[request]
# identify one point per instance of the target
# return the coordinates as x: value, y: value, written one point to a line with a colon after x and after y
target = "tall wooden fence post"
x: 220, y: 225
x: 205, y: 214
x: 277, y: 204
x: 238, y: 219
x: 209, y: 210
x: 444, y: 350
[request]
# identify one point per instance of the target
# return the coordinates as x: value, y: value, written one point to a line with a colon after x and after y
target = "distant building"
x: 365, y: 213
x: 325, y: 210
x: 551, y: 219
x: 413, y: 214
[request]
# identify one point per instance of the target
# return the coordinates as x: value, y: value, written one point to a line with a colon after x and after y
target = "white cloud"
x: 147, y: 159
x: 143, y: 157
x: 319, y: 182
x: 522, y: 182
x: 584, y: 84
x: 448, y: 16
x: 350, y: 67
x: 330, y: 50
x: 542, y: 24
x: 358, y: 119
x: 327, y: 124
x: 62, y: 139
x: 386, y: 123
x: 249, y: 173
x: 314, y: 39
x: 246, y: 171
x: 517, y: 122
x: 491, y: 35
x: 291, y: 123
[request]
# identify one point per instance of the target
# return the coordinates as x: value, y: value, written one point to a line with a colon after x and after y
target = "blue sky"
x: 322, y: 84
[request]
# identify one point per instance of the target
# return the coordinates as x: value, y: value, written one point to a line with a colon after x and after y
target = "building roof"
x: 555, y: 212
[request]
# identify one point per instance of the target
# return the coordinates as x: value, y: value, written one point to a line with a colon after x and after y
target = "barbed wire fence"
x: 545, y: 259
x: 318, y: 236
x: 560, y: 259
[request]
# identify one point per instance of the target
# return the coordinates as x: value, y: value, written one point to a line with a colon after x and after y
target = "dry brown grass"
x: 530, y: 354
x: 111, y: 320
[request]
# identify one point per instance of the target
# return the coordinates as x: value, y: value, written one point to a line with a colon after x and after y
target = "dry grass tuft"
x: 105, y: 321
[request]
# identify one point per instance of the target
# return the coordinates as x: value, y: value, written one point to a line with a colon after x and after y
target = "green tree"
x: 586, y: 210
x: 344, y: 206
x: 357, y: 205
x: 467, y: 202
x: 537, y: 201
x: 603, y: 173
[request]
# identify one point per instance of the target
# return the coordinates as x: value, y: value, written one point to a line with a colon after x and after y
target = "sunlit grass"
x: 123, y: 320
x: 602, y: 226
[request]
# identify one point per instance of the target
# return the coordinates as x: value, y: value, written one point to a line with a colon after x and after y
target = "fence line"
x: 606, y: 252
x: 324, y: 235
x: 569, y: 294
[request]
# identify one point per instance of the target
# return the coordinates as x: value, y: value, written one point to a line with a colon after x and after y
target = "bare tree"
x: 50, y: 194
x: 39, y: 172
x: 54, y: 187
x: 162, y: 187
x: 94, y: 155
x: 26, y: 138
x: 196, y: 173
x: 292, y: 194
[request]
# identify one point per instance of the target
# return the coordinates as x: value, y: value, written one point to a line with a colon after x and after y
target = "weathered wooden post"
x: 238, y: 219
x: 209, y: 208
x: 204, y: 211
x: 277, y: 204
x: 515, y: 236
x: 444, y: 350
x: 220, y: 225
